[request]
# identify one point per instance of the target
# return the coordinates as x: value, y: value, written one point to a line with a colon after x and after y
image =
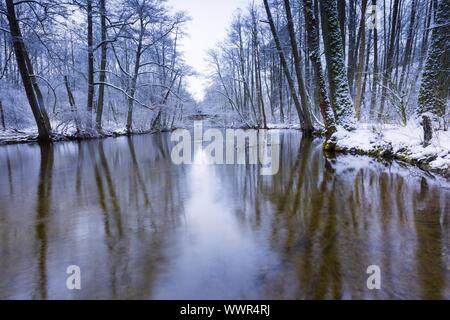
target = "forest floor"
x: 403, y: 143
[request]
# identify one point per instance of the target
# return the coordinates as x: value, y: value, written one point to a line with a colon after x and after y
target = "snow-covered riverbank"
x: 30, y: 135
x: 398, y: 142
x: 387, y: 141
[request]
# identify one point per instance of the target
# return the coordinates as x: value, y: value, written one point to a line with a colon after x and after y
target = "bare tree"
x: 30, y: 85
x: 313, y: 44
x: 103, y: 62
x: 287, y: 72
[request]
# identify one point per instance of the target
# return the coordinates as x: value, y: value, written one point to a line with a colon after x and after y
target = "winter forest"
x: 92, y: 93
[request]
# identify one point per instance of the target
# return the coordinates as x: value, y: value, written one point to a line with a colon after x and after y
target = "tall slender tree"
x: 389, y: 56
x: 103, y: 62
x: 90, y: 71
x: 285, y: 66
x: 306, y: 105
x: 360, y: 68
x: 337, y: 76
x: 314, y: 49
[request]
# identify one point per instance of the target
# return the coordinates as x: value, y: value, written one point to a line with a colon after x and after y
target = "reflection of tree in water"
x: 332, y: 218
x: 117, y: 209
x: 432, y: 233
x: 43, y: 207
x: 140, y: 203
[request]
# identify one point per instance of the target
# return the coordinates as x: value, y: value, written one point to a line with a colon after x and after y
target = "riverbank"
x: 13, y: 136
x: 399, y: 143
x: 379, y: 141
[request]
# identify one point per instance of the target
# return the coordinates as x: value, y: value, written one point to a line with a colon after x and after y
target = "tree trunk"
x: 338, y: 81
x: 352, y: 49
x: 285, y: 66
x: 313, y: 44
x: 132, y: 92
x: 427, y: 130
x: 2, y: 116
x: 73, y: 107
x: 39, y: 113
x: 373, y: 96
x: 306, y: 105
x: 102, y: 74
x: 341, y: 10
x: 433, y: 94
x: 390, y: 56
x: 409, y: 44
x: 362, y: 48
x: 90, y: 75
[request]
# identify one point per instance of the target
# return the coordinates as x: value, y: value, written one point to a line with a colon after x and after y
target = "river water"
x: 141, y: 227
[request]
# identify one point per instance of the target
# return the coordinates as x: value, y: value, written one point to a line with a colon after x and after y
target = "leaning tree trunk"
x: 407, y: 55
x: 73, y: 107
x: 433, y: 94
x: 306, y: 105
x: 337, y: 76
x: 285, y: 65
x: 313, y: 44
x: 39, y: 113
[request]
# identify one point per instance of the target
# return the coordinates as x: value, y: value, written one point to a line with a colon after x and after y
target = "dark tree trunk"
x: 342, y: 20
x: 313, y: 44
x: 306, y: 106
x: 390, y: 56
x: 373, y: 96
x: 2, y: 115
x: 352, y: 47
x: 362, y: 48
x: 102, y: 74
x: 39, y: 113
x: 334, y: 53
x: 73, y: 107
x: 409, y: 44
x: 433, y: 94
x: 90, y: 75
x: 427, y: 130
x: 285, y: 65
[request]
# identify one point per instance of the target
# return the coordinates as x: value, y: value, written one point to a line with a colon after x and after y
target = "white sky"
x: 209, y: 24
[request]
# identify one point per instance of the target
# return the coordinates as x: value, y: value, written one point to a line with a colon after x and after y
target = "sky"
x: 210, y: 20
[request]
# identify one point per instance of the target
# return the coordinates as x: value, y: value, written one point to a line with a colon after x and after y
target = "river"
x: 141, y: 227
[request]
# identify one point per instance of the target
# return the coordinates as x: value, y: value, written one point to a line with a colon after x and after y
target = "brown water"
x: 140, y: 227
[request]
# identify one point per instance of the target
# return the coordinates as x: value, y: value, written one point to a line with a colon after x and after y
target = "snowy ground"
x: 10, y: 136
x: 404, y: 143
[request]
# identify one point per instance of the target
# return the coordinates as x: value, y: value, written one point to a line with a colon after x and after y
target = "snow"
x: 403, y: 142
x: 61, y: 131
x: 283, y: 126
x: 17, y: 136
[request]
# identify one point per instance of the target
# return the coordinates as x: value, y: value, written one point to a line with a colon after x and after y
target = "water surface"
x: 140, y: 227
